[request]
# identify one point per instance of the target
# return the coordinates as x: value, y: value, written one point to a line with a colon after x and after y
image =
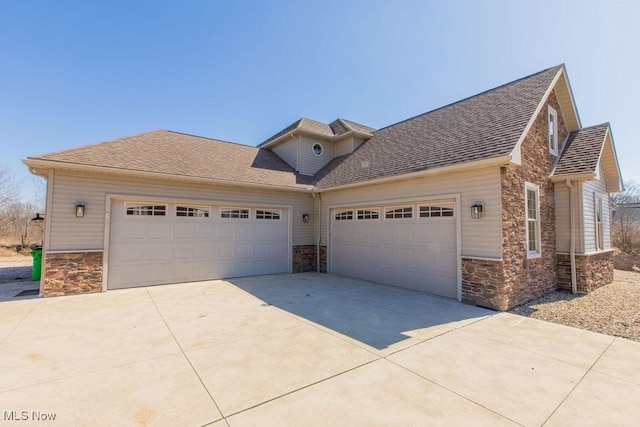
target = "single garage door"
x: 411, y: 245
x: 160, y: 243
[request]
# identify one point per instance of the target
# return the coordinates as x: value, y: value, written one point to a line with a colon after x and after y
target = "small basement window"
x: 343, y: 215
x: 373, y: 213
x: 436, y: 211
x: 271, y: 214
x: 317, y: 149
x: 193, y: 211
x: 234, y: 213
x: 136, y: 209
x: 399, y: 212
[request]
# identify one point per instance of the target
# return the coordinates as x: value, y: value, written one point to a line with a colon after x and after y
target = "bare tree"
x: 625, y: 225
x: 8, y: 186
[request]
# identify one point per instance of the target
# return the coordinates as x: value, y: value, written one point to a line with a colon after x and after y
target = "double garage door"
x: 412, y: 245
x: 152, y: 243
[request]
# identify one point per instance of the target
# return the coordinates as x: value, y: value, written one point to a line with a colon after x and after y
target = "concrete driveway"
x: 303, y: 349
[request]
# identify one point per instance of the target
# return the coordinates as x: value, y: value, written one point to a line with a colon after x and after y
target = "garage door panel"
x: 147, y: 250
x: 416, y: 253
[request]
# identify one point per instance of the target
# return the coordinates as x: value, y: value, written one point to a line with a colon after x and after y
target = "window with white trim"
x: 234, y: 213
x: 370, y: 213
x: 403, y: 212
x: 136, y: 209
x: 532, y: 210
x: 553, y: 131
x: 343, y: 215
x: 317, y: 149
x: 439, y: 210
x: 599, y: 226
x: 193, y: 211
x: 268, y: 214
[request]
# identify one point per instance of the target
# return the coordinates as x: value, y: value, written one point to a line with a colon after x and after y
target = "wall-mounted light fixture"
x: 477, y: 211
x: 37, y: 217
x: 305, y: 217
x: 79, y: 209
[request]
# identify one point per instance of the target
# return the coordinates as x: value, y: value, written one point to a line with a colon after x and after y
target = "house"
x: 492, y: 200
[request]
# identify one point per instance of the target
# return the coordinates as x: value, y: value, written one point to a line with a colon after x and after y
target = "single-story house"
x: 492, y: 200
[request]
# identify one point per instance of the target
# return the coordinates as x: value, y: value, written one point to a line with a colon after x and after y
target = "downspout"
x: 319, y: 197
x: 572, y: 249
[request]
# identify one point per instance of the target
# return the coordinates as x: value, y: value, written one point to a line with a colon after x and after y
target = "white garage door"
x: 159, y: 243
x: 411, y: 246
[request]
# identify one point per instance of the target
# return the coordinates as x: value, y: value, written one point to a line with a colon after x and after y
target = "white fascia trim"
x: 515, y: 153
x: 128, y: 172
x: 573, y: 177
x: 609, y: 137
x: 479, y: 164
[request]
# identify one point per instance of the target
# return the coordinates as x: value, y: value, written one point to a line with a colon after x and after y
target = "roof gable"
x: 180, y: 155
x: 485, y: 126
x: 335, y: 129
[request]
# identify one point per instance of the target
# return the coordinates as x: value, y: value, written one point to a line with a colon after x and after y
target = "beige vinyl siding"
x: 309, y: 162
x: 71, y: 233
x: 599, y: 188
x: 480, y: 237
x: 344, y: 146
x: 288, y: 151
x: 563, y: 217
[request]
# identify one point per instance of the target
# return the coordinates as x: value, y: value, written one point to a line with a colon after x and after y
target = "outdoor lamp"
x: 476, y: 211
x: 79, y: 209
x: 305, y: 217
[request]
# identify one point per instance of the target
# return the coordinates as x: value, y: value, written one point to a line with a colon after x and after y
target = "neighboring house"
x: 486, y: 201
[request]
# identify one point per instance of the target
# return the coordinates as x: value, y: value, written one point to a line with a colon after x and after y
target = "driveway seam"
x: 578, y: 383
x: 20, y: 322
x: 187, y: 359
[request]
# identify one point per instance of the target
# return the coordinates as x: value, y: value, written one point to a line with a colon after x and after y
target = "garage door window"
x: 398, y: 212
x: 437, y: 211
x: 343, y: 215
x: 135, y: 209
x: 262, y: 214
x: 193, y: 211
x: 234, y: 213
x: 368, y: 213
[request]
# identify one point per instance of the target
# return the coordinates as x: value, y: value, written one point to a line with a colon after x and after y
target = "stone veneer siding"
x: 592, y: 271
x: 305, y: 258
x: 72, y: 273
x: 522, y: 278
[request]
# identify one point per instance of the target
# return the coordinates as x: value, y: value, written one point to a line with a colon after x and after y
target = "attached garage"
x: 411, y: 245
x: 162, y: 242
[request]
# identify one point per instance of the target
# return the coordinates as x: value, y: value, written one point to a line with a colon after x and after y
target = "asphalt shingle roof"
x: 335, y: 128
x: 582, y: 151
x: 480, y: 127
x: 179, y: 154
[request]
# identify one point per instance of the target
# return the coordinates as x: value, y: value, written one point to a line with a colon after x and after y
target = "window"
x: 553, y: 132
x: 343, y: 215
x: 262, y: 214
x: 317, y: 149
x: 599, y: 227
x: 368, y: 213
x: 135, y: 209
x: 401, y: 212
x: 192, y: 211
x: 532, y: 207
x: 234, y: 213
x: 436, y: 211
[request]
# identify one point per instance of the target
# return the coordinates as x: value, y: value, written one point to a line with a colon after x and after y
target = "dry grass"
x: 613, y: 309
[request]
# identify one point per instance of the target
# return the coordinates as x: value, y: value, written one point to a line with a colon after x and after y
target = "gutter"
x: 572, y: 249
x: 318, y: 241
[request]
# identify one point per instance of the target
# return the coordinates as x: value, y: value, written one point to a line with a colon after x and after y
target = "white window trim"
x: 537, y: 253
x: 344, y: 211
x: 271, y: 213
x: 314, y: 151
x: 449, y: 206
x: 599, y: 211
x: 222, y: 209
x: 553, y: 139
x: 204, y: 208
x: 388, y: 209
x: 129, y: 205
x: 370, y: 211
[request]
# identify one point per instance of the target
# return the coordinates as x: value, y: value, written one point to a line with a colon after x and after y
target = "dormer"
x: 308, y: 145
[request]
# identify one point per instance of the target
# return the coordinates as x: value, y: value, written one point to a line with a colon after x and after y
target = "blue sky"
x: 78, y: 72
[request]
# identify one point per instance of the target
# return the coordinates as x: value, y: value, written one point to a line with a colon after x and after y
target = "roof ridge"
x: 350, y: 123
x: 476, y: 95
x: 210, y: 139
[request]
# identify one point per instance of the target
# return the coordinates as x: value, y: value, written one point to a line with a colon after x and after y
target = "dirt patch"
x: 613, y: 309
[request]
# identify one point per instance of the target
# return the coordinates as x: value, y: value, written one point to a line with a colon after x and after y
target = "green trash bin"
x: 36, y: 269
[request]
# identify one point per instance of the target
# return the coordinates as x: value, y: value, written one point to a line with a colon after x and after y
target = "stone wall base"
x: 305, y: 258
x: 72, y: 273
x: 592, y: 271
x: 483, y: 284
